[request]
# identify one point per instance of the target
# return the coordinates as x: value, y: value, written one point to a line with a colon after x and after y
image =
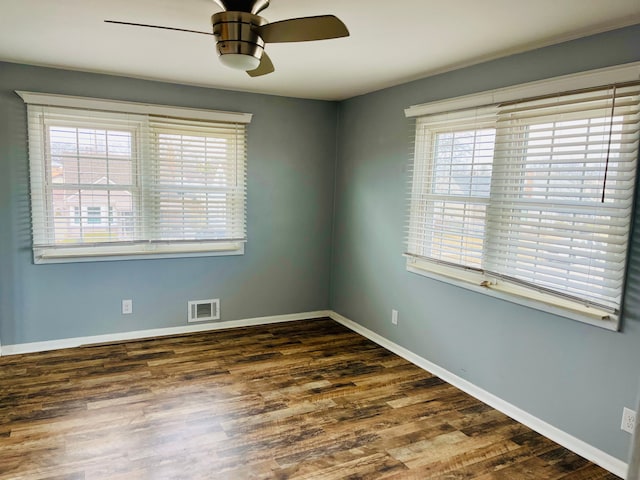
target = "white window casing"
x: 117, y: 180
x: 530, y: 199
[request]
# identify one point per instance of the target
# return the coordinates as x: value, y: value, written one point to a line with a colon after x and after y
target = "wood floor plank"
x: 297, y: 400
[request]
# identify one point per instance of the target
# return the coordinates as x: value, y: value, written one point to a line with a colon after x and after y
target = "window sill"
x: 477, y: 282
x: 47, y: 255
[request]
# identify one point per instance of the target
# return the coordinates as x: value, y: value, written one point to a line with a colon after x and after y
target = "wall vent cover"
x: 204, y: 310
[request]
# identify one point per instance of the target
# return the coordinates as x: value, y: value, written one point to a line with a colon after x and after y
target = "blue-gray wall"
x: 574, y: 376
x: 286, y: 266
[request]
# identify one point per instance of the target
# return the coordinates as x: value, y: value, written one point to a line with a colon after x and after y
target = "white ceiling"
x: 391, y: 42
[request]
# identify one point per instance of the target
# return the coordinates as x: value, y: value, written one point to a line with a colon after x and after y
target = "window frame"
x: 422, y: 189
x: 476, y: 280
x: 141, y: 114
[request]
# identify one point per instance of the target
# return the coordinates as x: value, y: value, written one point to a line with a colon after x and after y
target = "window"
x: 113, y: 179
x: 94, y: 215
x: 530, y: 200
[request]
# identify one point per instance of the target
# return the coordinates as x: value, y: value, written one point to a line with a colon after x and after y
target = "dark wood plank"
x: 299, y: 400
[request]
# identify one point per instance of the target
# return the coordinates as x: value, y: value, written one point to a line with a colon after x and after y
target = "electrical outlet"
x: 394, y: 317
x: 127, y: 307
x: 628, y: 420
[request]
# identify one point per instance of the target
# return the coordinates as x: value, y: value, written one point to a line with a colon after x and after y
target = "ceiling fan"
x: 241, y: 34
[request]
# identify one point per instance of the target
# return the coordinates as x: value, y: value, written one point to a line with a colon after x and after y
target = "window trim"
x: 117, y: 106
x: 478, y: 281
x: 629, y: 72
x: 133, y: 250
x: 137, y: 251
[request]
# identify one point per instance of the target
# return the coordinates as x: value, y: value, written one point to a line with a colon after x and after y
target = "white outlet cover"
x: 127, y: 307
x: 628, y: 420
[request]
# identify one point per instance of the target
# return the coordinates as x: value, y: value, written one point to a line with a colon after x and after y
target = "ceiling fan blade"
x: 265, y: 67
x: 157, y: 26
x: 303, y: 29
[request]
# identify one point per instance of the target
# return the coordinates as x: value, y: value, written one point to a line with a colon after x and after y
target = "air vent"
x: 204, y: 310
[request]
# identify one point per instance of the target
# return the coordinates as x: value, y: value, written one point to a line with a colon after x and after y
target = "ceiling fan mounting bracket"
x: 248, y: 6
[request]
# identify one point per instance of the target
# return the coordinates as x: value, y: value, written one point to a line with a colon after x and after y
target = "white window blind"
x: 530, y: 197
x: 107, y: 184
x: 199, y: 187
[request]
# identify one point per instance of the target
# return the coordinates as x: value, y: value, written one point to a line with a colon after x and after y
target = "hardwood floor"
x: 300, y: 400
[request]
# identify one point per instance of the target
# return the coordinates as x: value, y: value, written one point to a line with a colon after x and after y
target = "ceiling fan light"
x: 240, y: 61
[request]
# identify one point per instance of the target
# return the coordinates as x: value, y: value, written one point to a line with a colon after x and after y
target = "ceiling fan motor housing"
x: 235, y: 35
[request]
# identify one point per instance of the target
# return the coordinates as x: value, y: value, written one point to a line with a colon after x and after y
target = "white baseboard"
x: 591, y: 453
x: 156, y: 332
